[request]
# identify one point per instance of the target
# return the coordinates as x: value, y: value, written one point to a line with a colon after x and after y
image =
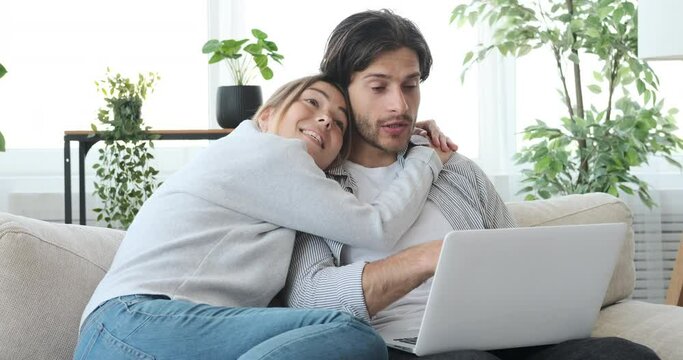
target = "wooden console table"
x: 86, y: 139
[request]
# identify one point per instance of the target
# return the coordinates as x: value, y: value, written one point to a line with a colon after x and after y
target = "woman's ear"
x: 265, y: 118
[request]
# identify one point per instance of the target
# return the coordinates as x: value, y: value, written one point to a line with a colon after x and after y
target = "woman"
x: 211, y: 248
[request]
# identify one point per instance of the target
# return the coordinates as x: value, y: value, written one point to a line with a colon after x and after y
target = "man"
x: 382, y: 58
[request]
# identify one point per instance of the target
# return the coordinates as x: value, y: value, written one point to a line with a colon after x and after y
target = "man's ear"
x: 264, y: 121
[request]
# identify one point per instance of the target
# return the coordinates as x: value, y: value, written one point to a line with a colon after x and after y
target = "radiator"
x: 657, y: 237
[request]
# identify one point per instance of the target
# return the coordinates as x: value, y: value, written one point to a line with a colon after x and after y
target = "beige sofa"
x: 48, y: 271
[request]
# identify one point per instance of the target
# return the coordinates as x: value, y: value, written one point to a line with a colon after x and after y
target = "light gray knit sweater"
x: 221, y: 230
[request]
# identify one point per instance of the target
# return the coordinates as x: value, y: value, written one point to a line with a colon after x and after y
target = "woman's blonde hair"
x: 283, y: 98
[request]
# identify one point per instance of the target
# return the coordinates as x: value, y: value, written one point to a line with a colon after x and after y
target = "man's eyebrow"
x: 376, y: 75
x: 385, y: 76
x: 414, y: 75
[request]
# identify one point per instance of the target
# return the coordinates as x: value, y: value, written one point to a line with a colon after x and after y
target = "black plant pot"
x: 237, y: 103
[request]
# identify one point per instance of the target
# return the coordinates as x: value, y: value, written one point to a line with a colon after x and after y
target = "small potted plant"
x: 243, y: 58
x: 3, y: 71
x: 125, y: 176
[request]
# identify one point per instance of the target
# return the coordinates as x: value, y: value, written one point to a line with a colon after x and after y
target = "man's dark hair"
x: 361, y: 37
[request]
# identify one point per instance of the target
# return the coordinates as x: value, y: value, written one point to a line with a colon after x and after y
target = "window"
x: 538, y: 84
x: 55, y: 50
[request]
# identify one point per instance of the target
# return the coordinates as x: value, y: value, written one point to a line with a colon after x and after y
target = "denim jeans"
x: 153, y: 327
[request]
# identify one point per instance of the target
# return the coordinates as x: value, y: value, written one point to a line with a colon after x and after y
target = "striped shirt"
x: 316, y: 279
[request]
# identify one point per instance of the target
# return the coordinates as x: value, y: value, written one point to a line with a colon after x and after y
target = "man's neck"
x: 370, y: 156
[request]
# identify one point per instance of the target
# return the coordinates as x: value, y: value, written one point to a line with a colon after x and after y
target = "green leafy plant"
x: 3, y: 71
x: 242, y: 67
x: 125, y: 177
x: 596, y: 146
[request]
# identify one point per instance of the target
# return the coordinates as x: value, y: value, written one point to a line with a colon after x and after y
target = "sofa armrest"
x: 47, y: 274
x: 593, y: 208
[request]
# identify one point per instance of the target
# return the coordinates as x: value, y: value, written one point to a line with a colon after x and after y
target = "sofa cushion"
x: 51, y: 270
x: 591, y: 208
x: 659, y: 327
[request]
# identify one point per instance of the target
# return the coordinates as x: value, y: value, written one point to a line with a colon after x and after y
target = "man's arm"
x: 315, y: 281
x: 362, y: 289
x: 391, y: 278
x: 387, y: 280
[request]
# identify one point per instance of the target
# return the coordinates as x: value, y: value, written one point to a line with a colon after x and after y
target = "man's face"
x: 385, y: 98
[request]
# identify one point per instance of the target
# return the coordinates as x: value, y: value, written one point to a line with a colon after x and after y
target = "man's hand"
x: 391, y: 278
x: 430, y: 130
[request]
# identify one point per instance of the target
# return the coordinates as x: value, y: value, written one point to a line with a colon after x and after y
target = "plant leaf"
x: 258, y: 34
x: 261, y: 61
x: 253, y: 49
x: 211, y: 46
x: 267, y: 73
x: 216, y: 58
x: 595, y: 89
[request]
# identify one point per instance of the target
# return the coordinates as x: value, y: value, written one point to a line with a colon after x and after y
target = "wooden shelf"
x: 87, y: 138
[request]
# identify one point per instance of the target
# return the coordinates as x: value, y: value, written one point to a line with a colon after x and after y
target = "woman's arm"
x: 295, y: 193
x: 275, y: 180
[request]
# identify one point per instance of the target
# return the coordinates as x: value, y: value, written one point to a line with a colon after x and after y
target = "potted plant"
x: 3, y: 71
x: 596, y: 146
x: 243, y: 59
x: 125, y: 177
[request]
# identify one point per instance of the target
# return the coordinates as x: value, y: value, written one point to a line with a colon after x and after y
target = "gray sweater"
x: 221, y: 230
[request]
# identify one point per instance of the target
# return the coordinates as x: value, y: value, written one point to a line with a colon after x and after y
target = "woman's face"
x: 319, y: 118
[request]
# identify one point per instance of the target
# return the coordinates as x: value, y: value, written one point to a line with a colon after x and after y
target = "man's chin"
x: 394, y: 145
x: 384, y: 142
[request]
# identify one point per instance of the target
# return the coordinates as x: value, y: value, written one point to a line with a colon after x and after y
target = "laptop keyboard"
x: 408, y: 340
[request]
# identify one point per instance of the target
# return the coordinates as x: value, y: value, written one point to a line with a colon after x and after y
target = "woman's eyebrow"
x: 343, y: 109
x: 320, y: 91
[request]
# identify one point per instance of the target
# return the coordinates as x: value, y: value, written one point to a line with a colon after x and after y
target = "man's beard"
x: 369, y: 132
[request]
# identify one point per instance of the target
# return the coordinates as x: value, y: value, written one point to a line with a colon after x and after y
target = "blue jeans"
x: 154, y: 327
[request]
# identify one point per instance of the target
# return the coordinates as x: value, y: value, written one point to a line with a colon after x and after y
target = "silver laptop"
x: 507, y: 288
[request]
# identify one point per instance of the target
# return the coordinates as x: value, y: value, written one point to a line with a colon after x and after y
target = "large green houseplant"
x: 3, y: 71
x: 243, y: 60
x: 600, y: 141
x: 125, y: 177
